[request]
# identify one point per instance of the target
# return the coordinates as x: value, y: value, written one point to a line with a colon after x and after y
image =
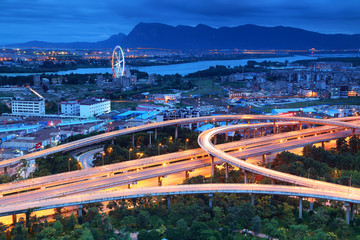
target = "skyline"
x: 92, y: 21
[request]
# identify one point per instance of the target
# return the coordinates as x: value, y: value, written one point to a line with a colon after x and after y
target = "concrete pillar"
x: 159, y: 181
x: 263, y: 158
x: 347, y: 205
x: 80, y: 207
x: 246, y: 179
x: 133, y: 140
x: 186, y: 174
x: 212, y: 166
x: 311, y: 204
x: 214, y: 139
x: 252, y: 199
x: 353, y: 131
x: 274, y: 127
x: 176, y: 131
x: 169, y: 202
x: 14, y: 219
x: 273, y: 181
x: 210, y: 200
x: 261, y: 132
x: 149, y: 138
x: 245, y: 136
x: 351, y: 211
x: 155, y: 137
x: 323, y: 144
x: 300, y: 207
x: 226, y: 136
x: 249, y: 121
x: 300, y: 126
x: 5, y: 170
x: 112, y: 141
x: 226, y: 171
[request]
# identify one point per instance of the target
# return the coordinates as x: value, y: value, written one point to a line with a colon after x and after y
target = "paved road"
x: 179, y: 190
x: 87, y: 158
x: 221, y: 118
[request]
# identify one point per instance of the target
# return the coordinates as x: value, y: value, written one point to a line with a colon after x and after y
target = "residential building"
x: 28, y: 107
x: 94, y: 106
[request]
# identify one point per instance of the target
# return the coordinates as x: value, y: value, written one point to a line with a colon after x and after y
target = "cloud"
x: 93, y: 20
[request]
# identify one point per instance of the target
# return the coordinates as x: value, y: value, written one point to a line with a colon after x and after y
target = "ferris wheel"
x: 118, y: 62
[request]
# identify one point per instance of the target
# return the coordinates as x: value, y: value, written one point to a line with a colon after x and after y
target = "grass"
x: 117, y: 105
x: 330, y: 102
x: 207, y: 88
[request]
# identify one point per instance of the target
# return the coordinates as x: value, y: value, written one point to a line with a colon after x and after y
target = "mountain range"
x: 157, y: 35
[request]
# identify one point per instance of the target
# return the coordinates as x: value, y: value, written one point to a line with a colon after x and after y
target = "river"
x: 183, y: 68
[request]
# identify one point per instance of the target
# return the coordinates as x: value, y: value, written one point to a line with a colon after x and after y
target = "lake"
x: 183, y: 68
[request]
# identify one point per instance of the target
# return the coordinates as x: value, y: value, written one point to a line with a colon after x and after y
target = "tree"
x: 256, y: 224
x: 19, y: 231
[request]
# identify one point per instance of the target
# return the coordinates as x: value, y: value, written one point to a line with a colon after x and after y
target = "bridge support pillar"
x: 300, y: 126
x: 323, y: 144
x: 311, y: 204
x: 169, y: 203
x: 176, y: 131
x: 353, y: 131
x: 112, y: 141
x: 263, y: 158
x: 80, y: 207
x: 159, y: 181
x: 347, y: 205
x: 210, y: 200
x: 5, y: 170
x: 252, y: 199
x: 14, y: 219
x: 273, y: 181
x: 300, y: 207
x: 246, y: 179
x: 351, y: 212
x: 215, y: 139
x: 150, y: 138
x: 186, y: 174
x: 212, y: 166
x: 226, y: 136
x: 226, y: 171
x: 155, y: 136
x: 261, y: 132
x: 133, y: 140
x: 245, y: 134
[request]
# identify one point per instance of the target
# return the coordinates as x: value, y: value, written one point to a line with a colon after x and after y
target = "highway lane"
x: 69, y: 177
x: 180, y: 190
x: 87, y: 158
x: 204, y: 141
x: 110, y: 135
x: 148, y: 173
x: 102, y: 171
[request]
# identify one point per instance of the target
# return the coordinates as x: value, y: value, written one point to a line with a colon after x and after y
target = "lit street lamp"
x: 102, y: 158
x: 186, y: 141
x: 159, y: 148
x: 130, y: 152
x: 69, y: 163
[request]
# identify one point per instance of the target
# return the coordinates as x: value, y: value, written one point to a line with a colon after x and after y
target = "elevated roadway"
x: 221, y: 118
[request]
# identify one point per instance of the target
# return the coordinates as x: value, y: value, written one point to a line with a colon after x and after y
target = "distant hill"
x: 156, y: 35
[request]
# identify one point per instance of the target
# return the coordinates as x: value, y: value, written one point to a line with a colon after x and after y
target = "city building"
x: 87, y: 108
x: 28, y: 106
x: 70, y: 108
x: 94, y: 106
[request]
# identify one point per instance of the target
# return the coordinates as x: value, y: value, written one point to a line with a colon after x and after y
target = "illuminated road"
x: 204, y: 141
x: 155, y: 172
x: 95, y: 179
x: 180, y: 190
x: 87, y: 158
x: 221, y: 118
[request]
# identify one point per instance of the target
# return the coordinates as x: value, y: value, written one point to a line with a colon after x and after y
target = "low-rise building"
x: 28, y: 107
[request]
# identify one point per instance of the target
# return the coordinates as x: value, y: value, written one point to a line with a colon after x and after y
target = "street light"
x: 69, y: 163
x: 249, y: 109
x: 159, y: 148
x: 186, y: 141
x: 102, y: 158
x: 130, y: 149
